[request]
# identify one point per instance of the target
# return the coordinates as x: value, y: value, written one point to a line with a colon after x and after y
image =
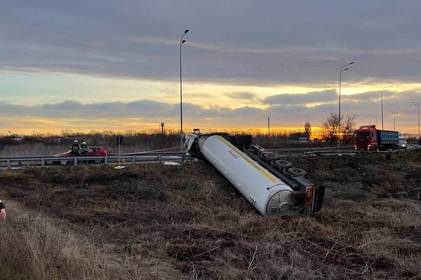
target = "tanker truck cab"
x: 270, y: 184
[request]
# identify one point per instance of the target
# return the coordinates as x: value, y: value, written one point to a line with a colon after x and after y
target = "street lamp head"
x: 182, y: 41
x: 346, y: 65
x: 344, y: 69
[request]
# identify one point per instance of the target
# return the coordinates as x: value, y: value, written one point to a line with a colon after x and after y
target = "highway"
x: 143, y: 157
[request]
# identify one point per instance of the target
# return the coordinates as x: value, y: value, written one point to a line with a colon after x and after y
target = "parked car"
x: 302, y: 140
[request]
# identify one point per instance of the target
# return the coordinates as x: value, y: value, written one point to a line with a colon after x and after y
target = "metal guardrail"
x: 33, y: 161
x: 302, y: 149
x: 345, y: 150
x: 311, y: 150
x: 9, y: 162
x: 109, y: 155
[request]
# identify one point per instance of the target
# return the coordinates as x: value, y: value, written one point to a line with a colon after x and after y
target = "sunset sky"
x: 113, y: 65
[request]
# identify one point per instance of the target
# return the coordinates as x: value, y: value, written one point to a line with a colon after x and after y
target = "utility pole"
x: 268, y: 124
x: 341, y: 69
x: 182, y: 41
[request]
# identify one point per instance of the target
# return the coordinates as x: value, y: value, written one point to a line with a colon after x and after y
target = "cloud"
x: 271, y: 42
x: 242, y: 95
x: 373, y: 96
x: 303, y: 98
x: 144, y: 113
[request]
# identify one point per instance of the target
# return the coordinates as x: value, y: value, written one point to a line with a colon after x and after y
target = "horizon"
x: 316, y: 132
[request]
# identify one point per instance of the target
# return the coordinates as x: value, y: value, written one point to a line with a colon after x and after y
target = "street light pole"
x: 382, y: 94
x: 382, y: 111
x: 418, y: 107
x: 394, y: 121
x: 182, y: 41
x: 341, y: 69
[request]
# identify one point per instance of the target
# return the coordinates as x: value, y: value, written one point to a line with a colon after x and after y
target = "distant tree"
x: 307, y: 129
x: 330, y: 128
x: 348, y: 126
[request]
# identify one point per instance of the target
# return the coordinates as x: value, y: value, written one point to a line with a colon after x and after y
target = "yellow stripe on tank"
x: 262, y: 170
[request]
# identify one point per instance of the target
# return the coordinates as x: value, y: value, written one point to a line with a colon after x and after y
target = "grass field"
x: 168, y: 222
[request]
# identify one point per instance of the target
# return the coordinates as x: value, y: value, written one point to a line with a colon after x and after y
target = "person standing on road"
x: 84, y: 149
x: 76, y: 148
x: 2, y: 211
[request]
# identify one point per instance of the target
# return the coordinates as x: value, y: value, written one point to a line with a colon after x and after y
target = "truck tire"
x: 269, y: 156
x: 280, y: 164
x: 295, y: 171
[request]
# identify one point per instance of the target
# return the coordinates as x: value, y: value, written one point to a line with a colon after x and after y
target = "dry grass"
x: 33, y: 246
x: 162, y: 222
x: 38, y: 149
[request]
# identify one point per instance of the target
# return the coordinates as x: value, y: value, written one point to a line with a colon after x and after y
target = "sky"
x: 114, y: 65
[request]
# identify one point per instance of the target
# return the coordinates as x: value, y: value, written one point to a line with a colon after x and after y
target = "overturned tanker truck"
x: 270, y: 184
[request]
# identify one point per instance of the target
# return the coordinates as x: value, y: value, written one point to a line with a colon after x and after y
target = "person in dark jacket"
x: 2, y: 211
x: 84, y: 149
x: 76, y: 148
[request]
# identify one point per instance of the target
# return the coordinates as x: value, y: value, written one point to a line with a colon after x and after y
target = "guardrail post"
x: 106, y: 160
x: 133, y: 158
x: 8, y: 163
x: 75, y: 161
x: 43, y: 162
x: 159, y: 158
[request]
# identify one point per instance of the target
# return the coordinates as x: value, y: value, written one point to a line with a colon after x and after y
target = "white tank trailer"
x: 271, y: 190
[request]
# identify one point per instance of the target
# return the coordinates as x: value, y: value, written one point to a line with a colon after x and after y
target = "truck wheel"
x: 281, y: 164
x: 296, y: 172
x: 269, y: 156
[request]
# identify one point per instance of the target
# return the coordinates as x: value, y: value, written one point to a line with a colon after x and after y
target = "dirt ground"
x: 167, y: 222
